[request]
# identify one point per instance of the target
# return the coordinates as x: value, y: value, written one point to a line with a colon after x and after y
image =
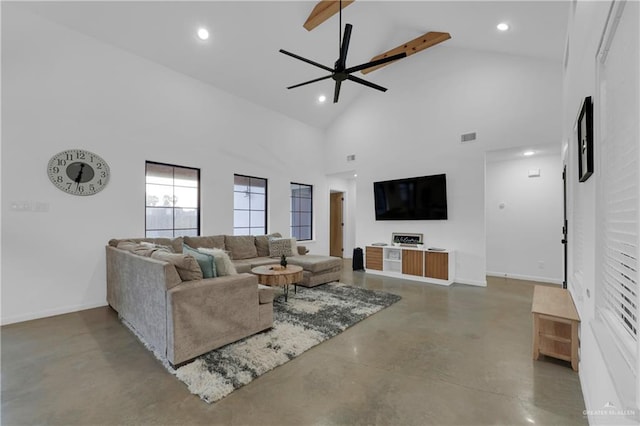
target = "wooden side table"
x: 555, y: 324
x: 276, y: 275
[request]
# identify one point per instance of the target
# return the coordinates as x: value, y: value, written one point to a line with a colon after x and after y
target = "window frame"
x: 266, y: 204
x: 615, y: 322
x: 292, y: 212
x: 173, y: 207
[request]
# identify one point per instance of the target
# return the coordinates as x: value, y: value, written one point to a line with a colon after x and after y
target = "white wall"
x: 414, y: 129
x: 586, y: 25
x: 524, y: 218
x: 63, y: 90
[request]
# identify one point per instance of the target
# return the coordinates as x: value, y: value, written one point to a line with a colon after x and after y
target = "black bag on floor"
x: 358, y: 263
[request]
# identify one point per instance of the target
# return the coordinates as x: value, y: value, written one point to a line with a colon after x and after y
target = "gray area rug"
x: 310, y: 317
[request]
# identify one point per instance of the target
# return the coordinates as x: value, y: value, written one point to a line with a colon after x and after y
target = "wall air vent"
x: 468, y: 137
x: 351, y: 157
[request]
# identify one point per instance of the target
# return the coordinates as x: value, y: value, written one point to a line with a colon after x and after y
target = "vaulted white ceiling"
x: 242, y: 57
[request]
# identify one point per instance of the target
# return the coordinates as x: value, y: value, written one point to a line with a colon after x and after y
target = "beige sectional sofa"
x: 165, y: 299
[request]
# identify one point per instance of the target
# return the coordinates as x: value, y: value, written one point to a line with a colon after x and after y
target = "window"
x: 249, y: 205
x: 172, y: 200
x: 617, y: 197
x: 301, y: 211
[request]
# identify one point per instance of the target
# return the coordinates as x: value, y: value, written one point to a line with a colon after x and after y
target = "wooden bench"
x: 555, y: 324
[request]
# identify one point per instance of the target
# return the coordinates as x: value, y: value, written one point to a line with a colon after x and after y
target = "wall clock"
x: 78, y: 172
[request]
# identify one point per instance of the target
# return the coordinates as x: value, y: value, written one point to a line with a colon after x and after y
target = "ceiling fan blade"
x: 375, y: 63
x: 309, y: 61
x: 366, y: 83
x: 414, y: 46
x: 324, y: 10
x: 346, y: 39
x: 310, y: 81
x: 336, y: 92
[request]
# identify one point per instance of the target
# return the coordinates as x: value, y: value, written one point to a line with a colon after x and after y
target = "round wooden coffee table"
x: 276, y: 275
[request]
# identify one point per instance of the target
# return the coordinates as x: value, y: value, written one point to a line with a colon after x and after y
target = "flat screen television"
x: 418, y: 198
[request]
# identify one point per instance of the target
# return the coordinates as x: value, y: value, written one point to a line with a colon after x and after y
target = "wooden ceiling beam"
x: 414, y: 46
x: 323, y: 11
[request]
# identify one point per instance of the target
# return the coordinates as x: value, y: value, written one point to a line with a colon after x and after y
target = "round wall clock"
x: 78, y: 172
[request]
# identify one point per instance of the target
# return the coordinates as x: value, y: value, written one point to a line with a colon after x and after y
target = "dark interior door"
x: 565, y: 226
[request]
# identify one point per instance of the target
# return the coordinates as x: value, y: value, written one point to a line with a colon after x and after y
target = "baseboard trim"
x: 470, y: 282
x: 525, y: 277
x: 49, y: 313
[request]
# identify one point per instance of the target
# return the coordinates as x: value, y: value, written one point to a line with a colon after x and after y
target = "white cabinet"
x: 412, y: 263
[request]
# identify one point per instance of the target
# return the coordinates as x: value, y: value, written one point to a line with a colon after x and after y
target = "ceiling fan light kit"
x: 340, y: 72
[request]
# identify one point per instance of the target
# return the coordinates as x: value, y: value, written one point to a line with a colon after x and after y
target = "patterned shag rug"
x: 310, y: 317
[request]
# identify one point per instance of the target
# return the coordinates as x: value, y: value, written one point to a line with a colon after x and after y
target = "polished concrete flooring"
x: 453, y: 356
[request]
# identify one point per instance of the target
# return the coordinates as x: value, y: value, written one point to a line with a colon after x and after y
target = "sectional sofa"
x: 162, y: 293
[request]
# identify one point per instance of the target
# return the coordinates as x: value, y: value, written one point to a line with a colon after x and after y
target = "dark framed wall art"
x: 585, y: 140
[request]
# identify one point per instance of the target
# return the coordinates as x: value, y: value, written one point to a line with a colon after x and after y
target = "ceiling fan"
x: 340, y: 72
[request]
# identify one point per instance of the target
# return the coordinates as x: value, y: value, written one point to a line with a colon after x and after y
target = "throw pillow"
x: 186, y: 266
x: 280, y: 246
x: 262, y: 243
x: 224, y: 265
x: 157, y: 246
x: 205, y: 261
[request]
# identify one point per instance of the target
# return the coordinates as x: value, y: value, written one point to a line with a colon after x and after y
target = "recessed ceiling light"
x: 355, y: 175
x: 502, y: 26
x: 322, y: 98
x: 528, y: 153
x: 203, y: 33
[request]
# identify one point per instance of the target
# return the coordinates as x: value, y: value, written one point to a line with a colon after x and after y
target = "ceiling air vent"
x: 351, y: 157
x: 468, y: 137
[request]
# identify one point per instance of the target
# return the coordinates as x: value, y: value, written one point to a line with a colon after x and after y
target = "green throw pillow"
x: 206, y: 261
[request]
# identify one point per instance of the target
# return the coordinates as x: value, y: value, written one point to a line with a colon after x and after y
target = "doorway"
x: 336, y: 224
x: 565, y: 226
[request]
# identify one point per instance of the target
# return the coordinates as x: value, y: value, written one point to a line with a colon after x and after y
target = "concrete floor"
x: 459, y: 355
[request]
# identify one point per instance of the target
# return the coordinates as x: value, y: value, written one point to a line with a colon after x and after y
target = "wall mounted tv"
x: 418, y: 198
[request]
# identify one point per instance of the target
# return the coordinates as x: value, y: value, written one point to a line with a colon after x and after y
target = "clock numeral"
x: 91, y: 158
x: 69, y: 157
x: 55, y: 169
x: 68, y: 185
x: 99, y: 166
x: 92, y: 188
x: 80, y: 155
x: 59, y: 179
x: 100, y: 182
x: 62, y: 162
x: 81, y: 188
x: 103, y: 174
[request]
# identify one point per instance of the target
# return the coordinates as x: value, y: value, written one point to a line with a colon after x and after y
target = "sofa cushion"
x: 186, y: 266
x: 316, y: 263
x: 280, y: 246
x: 165, y: 247
x: 261, y: 261
x: 125, y: 245
x: 241, y: 246
x: 224, y: 265
x: 265, y: 294
x: 143, y: 248
x: 214, y: 241
x: 174, y: 243
x: 262, y: 243
x: 146, y: 251
x: 242, y: 266
x: 206, y: 261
